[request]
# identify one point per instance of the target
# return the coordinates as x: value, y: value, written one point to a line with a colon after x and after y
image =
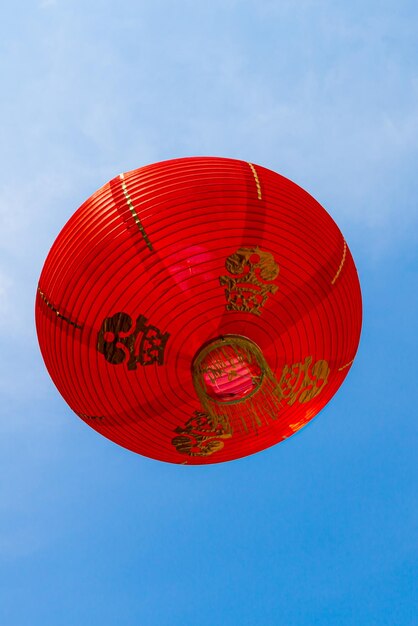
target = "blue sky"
x: 320, y: 530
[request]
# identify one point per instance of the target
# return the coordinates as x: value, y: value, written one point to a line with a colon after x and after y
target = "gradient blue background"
x: 320, y: 530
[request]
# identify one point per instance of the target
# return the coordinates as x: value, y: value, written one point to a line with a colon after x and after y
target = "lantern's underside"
x: 199, y: 310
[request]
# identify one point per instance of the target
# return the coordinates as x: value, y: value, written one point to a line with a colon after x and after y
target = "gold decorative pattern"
x: 253, y: 271
x: 257, y: 181
x: 56, y: 311
x: 225, y: 366
x: 341, y: 264
x: 199, y: 436
x: 116, y: 348
x: 340, y: 369
x: 303, y: 381
x: 250, y: 409
x: 259, y: 396
x: 134, y: 213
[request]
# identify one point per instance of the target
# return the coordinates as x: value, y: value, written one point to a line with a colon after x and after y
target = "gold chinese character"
x: 116, y: 344
x: 253, y: 271
x: 199, y: 437
x: 303, y: 381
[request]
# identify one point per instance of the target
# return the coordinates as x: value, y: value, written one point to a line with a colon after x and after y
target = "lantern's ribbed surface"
x: 166, y: 259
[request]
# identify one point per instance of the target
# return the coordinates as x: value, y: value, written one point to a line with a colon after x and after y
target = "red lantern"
x: 199, y: 310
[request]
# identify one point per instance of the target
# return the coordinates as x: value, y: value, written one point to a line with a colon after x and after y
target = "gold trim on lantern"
x: 340, y: 369
x: 134, y: 213
x: 56, y: 311
x: 341, y: 264
x: 257, y: 180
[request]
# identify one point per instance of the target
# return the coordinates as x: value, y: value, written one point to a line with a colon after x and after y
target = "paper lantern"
x: 198, y: 310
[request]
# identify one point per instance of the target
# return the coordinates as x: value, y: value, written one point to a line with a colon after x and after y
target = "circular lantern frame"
x: 199, y: 310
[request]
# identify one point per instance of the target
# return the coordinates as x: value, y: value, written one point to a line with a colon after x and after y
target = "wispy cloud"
x: 46, y: 4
